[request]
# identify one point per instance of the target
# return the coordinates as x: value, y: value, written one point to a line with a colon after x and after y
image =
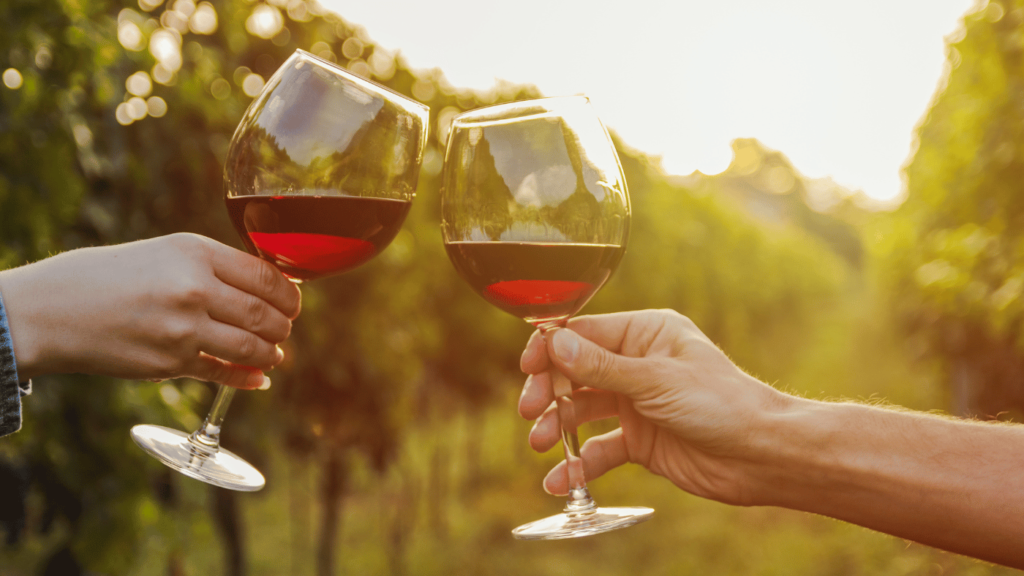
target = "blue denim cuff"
x: 10, y: 391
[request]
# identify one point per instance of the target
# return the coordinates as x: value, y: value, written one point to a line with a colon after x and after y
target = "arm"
x: 951, y: 484
x: 179, y: 305
x: 688, y: 413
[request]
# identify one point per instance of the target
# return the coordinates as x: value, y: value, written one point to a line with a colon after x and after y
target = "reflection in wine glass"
x: 535, y: 217
x: 319, y: 177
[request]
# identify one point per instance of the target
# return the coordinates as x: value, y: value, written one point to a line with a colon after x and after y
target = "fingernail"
x: 266, y: 383
x: 525, y: 386
x: 523, y: 357
x: 544, y: 484
x: 280, y: 353
x: 567, y: 345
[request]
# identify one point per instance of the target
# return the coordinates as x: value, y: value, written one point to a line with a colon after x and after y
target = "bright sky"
x: 836, y: 86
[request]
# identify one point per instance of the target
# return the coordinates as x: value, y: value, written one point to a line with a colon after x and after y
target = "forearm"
x: 955, y: 485
x: 37, y: 329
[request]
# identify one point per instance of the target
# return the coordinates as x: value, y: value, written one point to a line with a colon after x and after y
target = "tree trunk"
x: 474, y: 468
x: 229, y: 524
x: 175, y: 567
x: 333, y: 490
x: 437, y: 495
x: 298, y: 515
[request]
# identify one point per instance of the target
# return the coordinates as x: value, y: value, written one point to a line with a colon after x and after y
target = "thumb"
x: 588, y: 364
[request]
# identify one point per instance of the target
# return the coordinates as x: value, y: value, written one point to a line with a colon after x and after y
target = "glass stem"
x: 579, y: 501
x: 207, y: 437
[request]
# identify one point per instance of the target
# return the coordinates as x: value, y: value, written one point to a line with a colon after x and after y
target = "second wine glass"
x: 319, y: 177
x: 535, y: 217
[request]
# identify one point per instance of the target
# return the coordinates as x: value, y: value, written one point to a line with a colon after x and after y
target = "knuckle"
x: 177, y: 334
x: 248, y: 346
x: 185, y: 241
x: 188, y: 292
x: 604, y: 367
x: 256, y: 312
x: 265, y: 277
x: 673, y: 316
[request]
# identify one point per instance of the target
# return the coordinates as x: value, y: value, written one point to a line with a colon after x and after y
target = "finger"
x: 257, y: 277
x: 606, y: 330
x: 600, y: 454
x: 243, y: 310
x: 535, y: 357
x: 210, y: 369
x: 239, y: 346
x: 536, y: 396
x: 588, y: 364
x: 590, y: 405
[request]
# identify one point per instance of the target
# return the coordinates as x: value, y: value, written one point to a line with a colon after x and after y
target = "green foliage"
x: 955, y: 249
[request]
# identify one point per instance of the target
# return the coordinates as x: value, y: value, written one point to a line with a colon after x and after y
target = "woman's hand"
x: 168, y: 307
x: 685, y: 410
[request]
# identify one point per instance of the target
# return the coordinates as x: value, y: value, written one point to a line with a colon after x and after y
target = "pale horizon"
x: 837, y: 89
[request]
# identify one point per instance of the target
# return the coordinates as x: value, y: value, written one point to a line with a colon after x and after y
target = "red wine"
x: 308, y: 237
x: 534, y: 281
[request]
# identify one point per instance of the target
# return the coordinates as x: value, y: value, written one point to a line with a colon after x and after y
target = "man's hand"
x: 685, y: 410
x: 174, y: 306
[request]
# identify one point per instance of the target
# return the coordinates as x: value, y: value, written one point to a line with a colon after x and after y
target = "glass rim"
x: 413, y: 106
x: 519, y: 110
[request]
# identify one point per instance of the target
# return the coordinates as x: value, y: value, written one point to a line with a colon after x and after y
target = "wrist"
x: 24, y: 302
x: 793, y: 451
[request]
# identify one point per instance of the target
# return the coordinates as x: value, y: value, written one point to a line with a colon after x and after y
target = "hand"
x: 686, y: 412
x: 168, y: 307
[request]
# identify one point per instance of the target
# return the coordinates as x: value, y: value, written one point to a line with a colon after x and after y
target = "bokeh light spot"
x: 204, y: 19
x: 240, y: 74
x: 174, y: 20
x: 994, y: 12
x: 252, y: 85
x: 352, y: 48
x: 323, y: 50
x: 170, y: 395
x: 185, y: 7
x: 157, y: 106
x: 139, y: 84
x: 359, y: 67
x: 82, y: 134
x: 44, y: 57
x: 121, y: 113
x: 382, y: 63
x: 220, y: 88
x: 163, y: 75
x: 265, y: 21
x: 130, y: 36
x: 423, y: 90
x: 298, y: 11
x: 165, y: 46
x: 12, y: 79
x: 150, y: 5
x: 137, y: 109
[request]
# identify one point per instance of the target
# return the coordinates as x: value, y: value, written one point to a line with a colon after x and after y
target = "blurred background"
x: 390, y: 440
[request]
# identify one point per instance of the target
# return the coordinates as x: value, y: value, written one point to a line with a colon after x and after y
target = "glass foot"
x: 213, y: 466
x: 577, y: 525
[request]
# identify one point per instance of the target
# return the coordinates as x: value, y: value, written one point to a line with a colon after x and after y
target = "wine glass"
x: 535, y: 216
x: 319, y: 177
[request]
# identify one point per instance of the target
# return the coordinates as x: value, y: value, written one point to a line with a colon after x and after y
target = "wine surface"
x: 309, y: 237
x: 537, y: 282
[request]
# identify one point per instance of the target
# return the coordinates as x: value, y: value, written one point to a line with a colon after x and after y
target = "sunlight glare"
x: 204, y: 19
x: 837, y: 88
x: 265, y: 21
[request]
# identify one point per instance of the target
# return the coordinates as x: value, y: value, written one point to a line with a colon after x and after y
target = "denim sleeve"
x: 10, y: 390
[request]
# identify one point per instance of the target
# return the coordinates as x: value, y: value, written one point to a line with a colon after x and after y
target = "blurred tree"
x: 955, y: 249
